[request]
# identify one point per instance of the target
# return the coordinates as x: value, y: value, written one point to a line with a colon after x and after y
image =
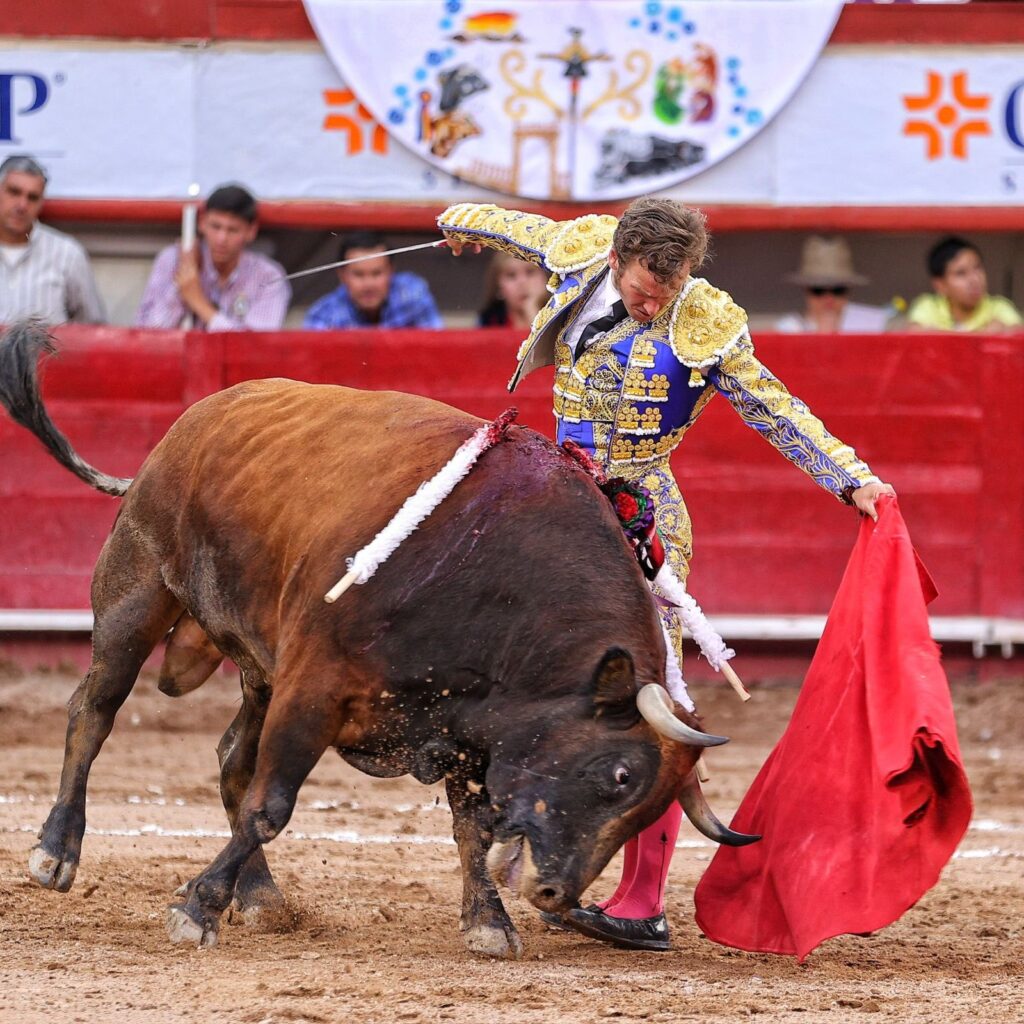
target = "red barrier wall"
x: 942, y: 417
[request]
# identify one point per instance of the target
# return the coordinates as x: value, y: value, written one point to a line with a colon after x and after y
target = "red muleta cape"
x: 864, y: 798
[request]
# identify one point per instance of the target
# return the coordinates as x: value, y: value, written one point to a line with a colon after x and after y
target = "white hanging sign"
x: 565, y: 99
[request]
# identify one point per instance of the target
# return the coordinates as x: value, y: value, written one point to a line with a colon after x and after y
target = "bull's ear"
x: 615, y: 682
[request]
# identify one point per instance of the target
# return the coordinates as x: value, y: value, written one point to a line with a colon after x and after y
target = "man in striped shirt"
x: 43, y: 272
x: 218, y: 285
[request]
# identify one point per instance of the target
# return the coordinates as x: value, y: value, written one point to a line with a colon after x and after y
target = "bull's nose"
x: 551, y: 892
x: 550, y: 896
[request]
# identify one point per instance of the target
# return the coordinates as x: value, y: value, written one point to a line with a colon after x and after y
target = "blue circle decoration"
x: 654, y: 26
x: 446, y: 24
x: 654, y: 7
x: 733, y: 130
x: 689, y: 28
x: 732, y: 63
x: 434, y: 57
x: 453, y: 6
x: 634, y: 22
x: 671, y: 36
x: 420, y: 74
x: 675, y: 14
x: 737, y: 109
x: 401, y: 90
x: 754, y: 117
x: 396, y: 116
x: 741, y: 91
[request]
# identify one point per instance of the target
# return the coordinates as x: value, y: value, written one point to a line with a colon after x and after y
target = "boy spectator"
x: 220, y: 283
x: 371, y: 294
x: 43, y: 272
x: 960, y: 299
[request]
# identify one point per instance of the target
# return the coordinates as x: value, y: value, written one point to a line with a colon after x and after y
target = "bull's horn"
x: 655, y: 705
x: 703, y: 818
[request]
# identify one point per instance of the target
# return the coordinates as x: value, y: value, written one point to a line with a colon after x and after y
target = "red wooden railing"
x: 942, y: 417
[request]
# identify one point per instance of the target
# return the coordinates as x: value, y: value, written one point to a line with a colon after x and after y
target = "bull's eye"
x: 621, y: 775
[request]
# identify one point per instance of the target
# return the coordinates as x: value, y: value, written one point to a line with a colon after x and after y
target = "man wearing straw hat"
x: 826, y: 275
x: 640, y: 346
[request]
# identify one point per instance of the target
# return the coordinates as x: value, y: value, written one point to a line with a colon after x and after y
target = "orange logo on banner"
x: 947, y: 125
x: 336, y: 122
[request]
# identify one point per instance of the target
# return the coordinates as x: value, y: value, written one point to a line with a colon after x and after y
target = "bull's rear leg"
x: 297, y: 730
x: 486, y: 927
x: 133, y: 612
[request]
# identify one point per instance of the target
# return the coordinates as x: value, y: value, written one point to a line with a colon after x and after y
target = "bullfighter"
x: 640, y: 345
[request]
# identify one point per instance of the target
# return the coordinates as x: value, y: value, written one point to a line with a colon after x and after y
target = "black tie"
x: 600, y: 326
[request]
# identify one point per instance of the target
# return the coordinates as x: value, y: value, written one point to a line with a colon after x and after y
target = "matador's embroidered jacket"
x: 632, y: 396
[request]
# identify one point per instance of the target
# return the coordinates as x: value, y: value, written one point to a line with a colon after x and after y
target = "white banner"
x: 926, y: 126
x: 574, y: 99
x: 929, y: 126
x: 103, y: 122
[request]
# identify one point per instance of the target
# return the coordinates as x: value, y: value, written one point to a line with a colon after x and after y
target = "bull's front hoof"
x: 487, y: 940
x: 50, y: 871
x: 183, y: 928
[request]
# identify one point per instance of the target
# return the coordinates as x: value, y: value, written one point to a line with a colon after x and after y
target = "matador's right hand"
x: 458, y: 247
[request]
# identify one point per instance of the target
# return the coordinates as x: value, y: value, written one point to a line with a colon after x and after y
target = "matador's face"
x: 642, y: 293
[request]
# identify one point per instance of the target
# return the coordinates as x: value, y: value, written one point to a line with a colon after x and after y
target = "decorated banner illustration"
x: 574, y: 100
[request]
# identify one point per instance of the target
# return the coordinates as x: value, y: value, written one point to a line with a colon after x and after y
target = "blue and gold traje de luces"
x: 632, y: 396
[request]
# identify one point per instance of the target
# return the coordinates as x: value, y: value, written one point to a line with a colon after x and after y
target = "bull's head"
x: 592, y: 782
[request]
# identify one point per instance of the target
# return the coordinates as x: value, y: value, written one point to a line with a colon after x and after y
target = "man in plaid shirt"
x: 219, y: 284
x: 371, y: 294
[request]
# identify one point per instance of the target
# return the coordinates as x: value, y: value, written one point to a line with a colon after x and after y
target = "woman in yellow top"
x: 960, y: 301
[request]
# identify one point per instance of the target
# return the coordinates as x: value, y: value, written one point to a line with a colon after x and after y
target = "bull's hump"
x: 301, y: 465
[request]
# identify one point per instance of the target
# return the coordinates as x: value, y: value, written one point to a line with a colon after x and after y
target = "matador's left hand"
x: 865, y: 497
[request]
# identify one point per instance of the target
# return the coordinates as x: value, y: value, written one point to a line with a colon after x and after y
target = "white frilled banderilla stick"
x: 418, y: 506
x: 696, y: 624
x: 693, y: 619
x: 432, y: 492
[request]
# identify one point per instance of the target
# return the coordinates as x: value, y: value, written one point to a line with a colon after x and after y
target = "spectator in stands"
x: 826, y: 274
x: 220, y: 284
x: 43, y: 272
x: 515, y: 291
x: 371, y: 293
x: 960, y: 300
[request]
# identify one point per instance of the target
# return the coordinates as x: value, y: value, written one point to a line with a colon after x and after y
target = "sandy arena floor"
x: 374, y: 882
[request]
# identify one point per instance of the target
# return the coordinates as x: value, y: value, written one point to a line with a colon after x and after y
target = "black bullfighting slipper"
x: 649, y: 933
x: 559, y: 921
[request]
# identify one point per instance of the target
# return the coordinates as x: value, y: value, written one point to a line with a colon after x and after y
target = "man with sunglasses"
x: 827, y: 275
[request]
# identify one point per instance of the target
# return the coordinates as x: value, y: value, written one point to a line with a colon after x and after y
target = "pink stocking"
x: 629, y: 856
x: 641, y: 895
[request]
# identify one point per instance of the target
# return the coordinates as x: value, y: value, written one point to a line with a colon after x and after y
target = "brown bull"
x: 502, y: 647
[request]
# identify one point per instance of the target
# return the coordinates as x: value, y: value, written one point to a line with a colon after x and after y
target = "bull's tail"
x: 20, y: 350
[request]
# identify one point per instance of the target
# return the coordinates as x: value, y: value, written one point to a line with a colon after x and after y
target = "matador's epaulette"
x: 705, y: 325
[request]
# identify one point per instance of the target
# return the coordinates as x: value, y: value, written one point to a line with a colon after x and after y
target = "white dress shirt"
x: 50, y: 277
x: 600, y: 303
